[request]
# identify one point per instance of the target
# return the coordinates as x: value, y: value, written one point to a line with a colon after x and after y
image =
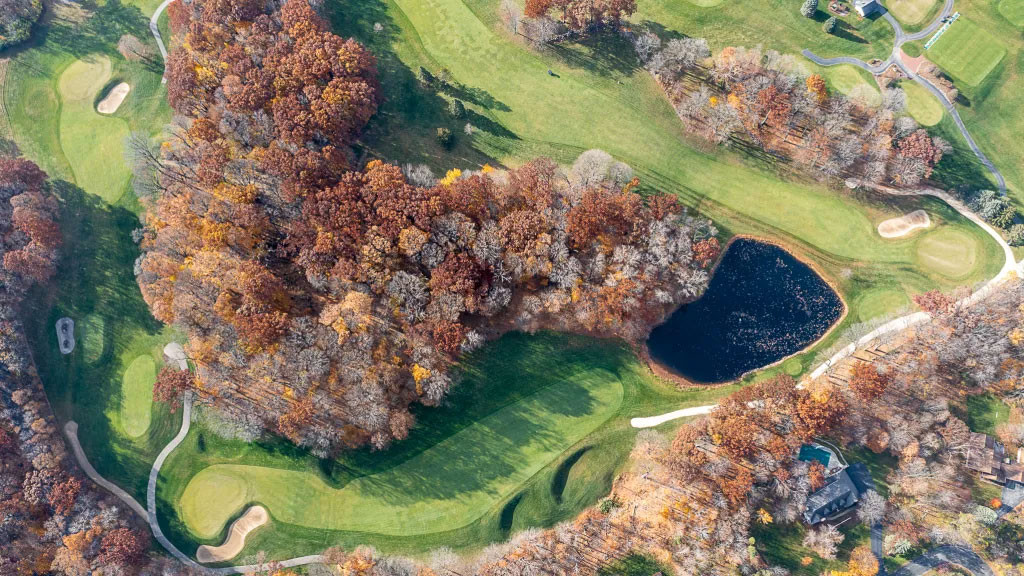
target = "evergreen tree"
x: 830, y: 25
x: 809, y: 8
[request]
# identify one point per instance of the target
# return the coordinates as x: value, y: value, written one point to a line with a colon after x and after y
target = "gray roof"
x: 861, y: 477
x: 840, y: 493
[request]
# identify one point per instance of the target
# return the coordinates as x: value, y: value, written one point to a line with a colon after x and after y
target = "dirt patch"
x: 253, y: 518
x: 904, y: 225
x: 112, y: 101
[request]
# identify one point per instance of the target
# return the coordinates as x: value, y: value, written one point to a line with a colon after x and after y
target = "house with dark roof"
x: 988, y: 457
x: 844, y: 485
x: 866, y: 7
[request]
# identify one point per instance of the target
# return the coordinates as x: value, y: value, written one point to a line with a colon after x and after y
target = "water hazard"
x: 761, y: 305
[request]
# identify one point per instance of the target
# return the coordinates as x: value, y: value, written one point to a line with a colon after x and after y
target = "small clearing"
x: 112, y: 101
x: 253, y: 518
x: 904, y: 225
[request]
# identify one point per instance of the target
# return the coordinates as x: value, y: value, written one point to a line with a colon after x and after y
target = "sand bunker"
x: 897, y: 227
x: 66, y: 335
x: 114, y: 98
x: 253, y: 518
x: 176, y: 355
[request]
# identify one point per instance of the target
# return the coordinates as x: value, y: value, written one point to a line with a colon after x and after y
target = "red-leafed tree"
x: 170, y: 384
x: 123, y: 546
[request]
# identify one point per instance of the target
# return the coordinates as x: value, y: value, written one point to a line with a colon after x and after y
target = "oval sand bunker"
x: 253, y: 518
x: 113, y: 99
x: 898, y: 227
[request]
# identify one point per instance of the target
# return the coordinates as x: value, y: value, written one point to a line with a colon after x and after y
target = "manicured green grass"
x: 855, y: 83
x: 985, y: 412
x: 95, y: 284
x: 92, y: 143
x: 536, y: 430
x: 922, y: 105
x: 137, y: 395
x: 949, y: 252
x: 910, y: 11
x: 873, y: 303
x: 967, y: 51
x: 773, y: 24
x: 1013, y: 10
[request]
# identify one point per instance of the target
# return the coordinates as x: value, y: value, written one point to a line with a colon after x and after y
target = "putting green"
x: 875, y: 302
x: 948, y: 251
x: 967, y: 52
x: 922, y: 105
x: 443, y: 488
x: 1013, y: 10
x: 137, y: 395
x: 910, y: 11
x: 91, y: 337
x: 92, y: 143
x: 849, y: 80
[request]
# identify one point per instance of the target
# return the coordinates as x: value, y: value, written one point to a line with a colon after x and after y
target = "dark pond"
x: 762, y: 305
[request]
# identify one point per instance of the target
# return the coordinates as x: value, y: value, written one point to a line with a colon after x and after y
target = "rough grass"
x: 967, y: 51
x: 922, y: 105
x: 910, y: 11
x: 535, y: 431
x: 1013, y: 10
x: 137, y: 395
x: 985, y: 412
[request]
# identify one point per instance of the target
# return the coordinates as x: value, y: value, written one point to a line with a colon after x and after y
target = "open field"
x: 774, y: 24
x: 922, y: 105
x: 1013, y: 10
x: 911, y: 11
x: 536, y: 430
x: 967, y: 51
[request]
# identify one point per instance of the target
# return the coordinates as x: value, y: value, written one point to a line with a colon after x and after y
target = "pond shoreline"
x: 666, y: 372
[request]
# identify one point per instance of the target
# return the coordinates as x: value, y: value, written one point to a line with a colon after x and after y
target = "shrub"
x: 1017, y: 235
x: 445, y: 137
x: 809, y: 8
x: 457, y: 109
x: 830, y: 25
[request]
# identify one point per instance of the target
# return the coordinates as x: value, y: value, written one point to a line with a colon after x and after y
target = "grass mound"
x: 922, y: 105
x: 967, y: 52
x: 910, y: 11
x: 1013, y: 10
x: 949, y: 252
x: 93, y: 144
x: 137, y: 395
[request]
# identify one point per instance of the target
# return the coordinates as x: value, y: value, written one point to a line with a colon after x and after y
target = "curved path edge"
x: 154, y: 27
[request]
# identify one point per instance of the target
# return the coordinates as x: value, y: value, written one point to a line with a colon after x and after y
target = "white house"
x: 866, y: 7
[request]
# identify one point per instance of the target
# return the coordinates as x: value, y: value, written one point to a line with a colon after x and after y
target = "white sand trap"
x: 66, y: 335
x: 897, y: 227
x: 253, y: 518
x: 114, y: 98
x: 176, y: 354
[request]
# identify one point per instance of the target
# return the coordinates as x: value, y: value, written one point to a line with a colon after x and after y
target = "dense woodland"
x: 751, y: 97
x: 16, y: 20
x: 322, y: 299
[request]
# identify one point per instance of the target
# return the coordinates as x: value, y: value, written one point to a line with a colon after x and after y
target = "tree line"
x: 322, y: 298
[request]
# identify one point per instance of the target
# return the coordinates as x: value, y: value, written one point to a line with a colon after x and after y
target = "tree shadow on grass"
x: 405, y: 126
x: 604, y: 53
x: 95, y: 277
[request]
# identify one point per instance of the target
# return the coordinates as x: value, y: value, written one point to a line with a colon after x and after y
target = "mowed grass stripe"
x: 967, y: 52
x: 93, y: 144
x: 446, y: 487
